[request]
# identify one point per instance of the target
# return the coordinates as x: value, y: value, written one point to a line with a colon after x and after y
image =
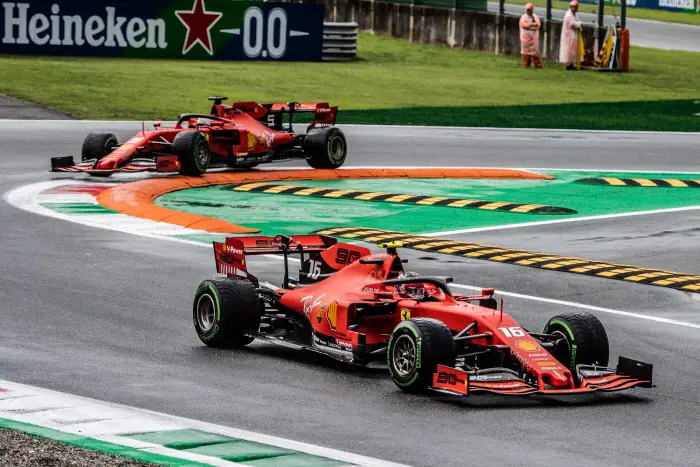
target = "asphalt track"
x: 107, y: 315
x: 643, y: 33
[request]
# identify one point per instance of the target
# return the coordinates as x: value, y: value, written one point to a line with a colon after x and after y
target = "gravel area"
x: 18, y: 449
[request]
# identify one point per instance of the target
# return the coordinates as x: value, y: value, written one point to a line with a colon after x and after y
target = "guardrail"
x: 339, y: 41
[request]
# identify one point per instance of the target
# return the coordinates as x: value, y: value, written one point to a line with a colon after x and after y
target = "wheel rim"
x: 567, y: 348
x: 110, y: 144
x: 336, y: 148
x: 206, y: 313
x: 404, y: 355
x: 202, y: 155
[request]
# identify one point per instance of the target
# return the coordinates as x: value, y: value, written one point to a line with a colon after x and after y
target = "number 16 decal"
x: 514, y: 331
x: 314, y: 269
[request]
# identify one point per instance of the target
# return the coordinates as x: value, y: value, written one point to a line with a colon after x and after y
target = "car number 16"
x: 514, y: 331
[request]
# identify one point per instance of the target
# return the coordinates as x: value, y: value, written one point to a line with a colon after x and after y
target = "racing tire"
x: 192, y: 150
x: 416, y: 347
x: 325, y: 148
x: 586, y: 340
x: 226, y: 312
x: 98, y: 145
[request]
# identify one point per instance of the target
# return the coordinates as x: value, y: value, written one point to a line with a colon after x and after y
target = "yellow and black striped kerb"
x: 645, y: 182
x: 418, y: 200
x: 670, y: 279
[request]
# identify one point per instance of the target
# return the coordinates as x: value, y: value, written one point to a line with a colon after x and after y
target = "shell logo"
x: 527, y: 346
x: 332, y: 314
x: 251, y: 140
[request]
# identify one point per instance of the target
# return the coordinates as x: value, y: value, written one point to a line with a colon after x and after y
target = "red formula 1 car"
x: 243, y: 134
x: 364, y: 308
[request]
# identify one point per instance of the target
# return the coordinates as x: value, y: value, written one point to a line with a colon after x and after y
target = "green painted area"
x: 234, y: 449
x: 181, y: 439
x: 242, y: 451
x: 78, y: 208
x: 289, y: 214
x: 97, y: 445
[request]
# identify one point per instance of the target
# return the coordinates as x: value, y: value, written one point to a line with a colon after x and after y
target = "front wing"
x: 158, y: 164
x: 628, y: 374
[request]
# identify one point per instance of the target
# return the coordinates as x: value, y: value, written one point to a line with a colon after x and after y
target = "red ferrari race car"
x: 243, y: 134
x: 363, y: 308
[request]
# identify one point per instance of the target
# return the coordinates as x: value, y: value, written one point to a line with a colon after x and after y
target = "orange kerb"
x: 136, y: 198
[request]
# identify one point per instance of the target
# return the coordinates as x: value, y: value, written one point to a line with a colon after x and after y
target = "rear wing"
x: 230, y: 256
x: 273, y: 114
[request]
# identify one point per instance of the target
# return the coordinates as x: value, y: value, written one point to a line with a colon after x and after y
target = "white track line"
x: 586, y: 307
x: 428, y: 127
x: 560, y: 221
x: 655, y: 171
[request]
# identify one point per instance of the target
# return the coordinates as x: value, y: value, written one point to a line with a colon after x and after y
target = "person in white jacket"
x: 570, y: 29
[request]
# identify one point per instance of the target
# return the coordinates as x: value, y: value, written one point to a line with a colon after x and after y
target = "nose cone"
x: 557, y: 377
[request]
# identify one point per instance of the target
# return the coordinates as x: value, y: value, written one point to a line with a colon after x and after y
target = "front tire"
x: 586, y: 340
x: 325, y: 148
x: 417, y: 346
x: 98, y: 145
x: 192, y: 150
x: 226, y: 312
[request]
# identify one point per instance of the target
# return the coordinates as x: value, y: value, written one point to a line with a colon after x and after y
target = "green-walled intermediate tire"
x: 586, y: 339
x: 417, y: 346
x: 192, y: 150
x: 325, y: 148
x: 226, y: 312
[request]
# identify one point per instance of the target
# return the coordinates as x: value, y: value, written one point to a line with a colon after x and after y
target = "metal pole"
x: 601, y: 20
x: 623, y: 14
x: 548, y: 29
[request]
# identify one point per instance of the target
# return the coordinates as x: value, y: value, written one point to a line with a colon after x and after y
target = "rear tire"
x: 587, y: 341
x: 192, y: 150
x: 98, y: 145
x: 417, y: 346
x: 226, y: 312
x: 325, y: 148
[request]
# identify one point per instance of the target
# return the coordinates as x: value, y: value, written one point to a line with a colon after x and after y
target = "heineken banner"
x: 189, y: 29
x: 671, y: 5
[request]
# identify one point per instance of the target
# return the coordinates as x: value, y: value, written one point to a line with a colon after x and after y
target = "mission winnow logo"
x: 162, y: 28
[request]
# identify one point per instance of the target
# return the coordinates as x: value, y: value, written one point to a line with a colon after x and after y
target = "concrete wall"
x: 475, y: 30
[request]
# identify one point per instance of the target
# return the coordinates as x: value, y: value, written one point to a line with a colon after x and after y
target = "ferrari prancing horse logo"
x: 332, y: 314
x: 405, y: 314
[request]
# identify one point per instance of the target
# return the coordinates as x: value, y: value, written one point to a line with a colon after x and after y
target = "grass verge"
x: 638, y: 13
x: 417, y: 84
x: 681, y: 115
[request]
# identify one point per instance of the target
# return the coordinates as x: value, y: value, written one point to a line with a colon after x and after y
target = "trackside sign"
x: 671, y: 5
x: 190, y: 29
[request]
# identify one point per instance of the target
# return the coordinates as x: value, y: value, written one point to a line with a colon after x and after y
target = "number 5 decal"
x: 514, y: 331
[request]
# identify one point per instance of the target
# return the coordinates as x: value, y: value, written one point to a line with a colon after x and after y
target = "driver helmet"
x: 411, y: 290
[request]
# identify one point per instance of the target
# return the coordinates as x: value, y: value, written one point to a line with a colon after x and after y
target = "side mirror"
x: 156, y: 125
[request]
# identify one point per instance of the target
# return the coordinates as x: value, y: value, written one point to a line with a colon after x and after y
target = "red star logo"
x: 198, y: 22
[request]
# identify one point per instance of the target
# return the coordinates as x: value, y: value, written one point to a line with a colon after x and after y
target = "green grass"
x: 640, y: 13
x: 411, y: 82
x: 678, y: 115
